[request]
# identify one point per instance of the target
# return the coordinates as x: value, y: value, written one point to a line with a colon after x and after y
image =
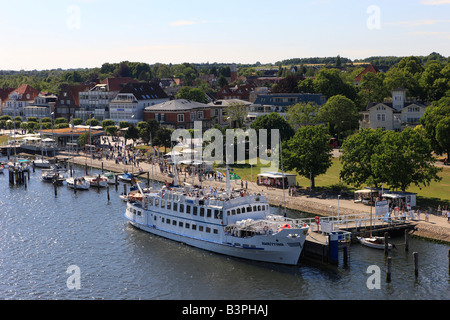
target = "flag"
x: 234, y: 176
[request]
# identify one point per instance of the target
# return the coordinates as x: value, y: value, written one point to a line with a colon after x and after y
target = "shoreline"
x: 436, y: 229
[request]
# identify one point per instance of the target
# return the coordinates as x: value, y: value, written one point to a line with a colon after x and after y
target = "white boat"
x: 126, y: 177
x: 53, y: 176
x: 110, y: 177
x: 41, y: 163
x: 97, y: 181
x: 78, y: 183
x: 374, y: 242
x: 234, y: 224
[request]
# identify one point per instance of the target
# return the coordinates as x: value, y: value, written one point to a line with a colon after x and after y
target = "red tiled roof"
x: 116, y: 84
x: 369, y: 68
x: 24, y: 90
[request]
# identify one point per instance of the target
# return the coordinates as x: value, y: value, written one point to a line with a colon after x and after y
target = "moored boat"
x: 78, y: 183
x: 374, y: 242
x: 96, y: 181
x: 234, y: 224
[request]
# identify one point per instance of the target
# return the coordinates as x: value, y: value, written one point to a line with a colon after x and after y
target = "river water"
x: 41, y: 236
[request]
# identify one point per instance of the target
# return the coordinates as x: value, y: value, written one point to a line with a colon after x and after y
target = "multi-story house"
x: 240, y: 91
x: 395, y: 115
x: 180, y: 114
x: 18, y: 99
x: 67, y: 103
x: 95, y: 101
x: 131, y: 101
x: 43, y: 106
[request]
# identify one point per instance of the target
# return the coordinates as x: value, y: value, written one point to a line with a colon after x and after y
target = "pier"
x: 330, y: 236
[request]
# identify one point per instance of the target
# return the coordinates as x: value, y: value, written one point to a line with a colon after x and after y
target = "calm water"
x: 42, y: 235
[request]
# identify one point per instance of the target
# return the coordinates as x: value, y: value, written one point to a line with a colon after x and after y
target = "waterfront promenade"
x: 323, y: 204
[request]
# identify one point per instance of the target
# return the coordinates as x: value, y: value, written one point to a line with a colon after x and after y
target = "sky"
x: 50, y: 34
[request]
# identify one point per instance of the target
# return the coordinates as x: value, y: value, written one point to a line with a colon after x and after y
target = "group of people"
x: 444, y: 212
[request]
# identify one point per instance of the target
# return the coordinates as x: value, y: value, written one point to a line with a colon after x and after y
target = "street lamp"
x: 338, y: 206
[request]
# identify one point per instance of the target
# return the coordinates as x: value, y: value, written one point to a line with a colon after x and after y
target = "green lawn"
x: 433, y: 195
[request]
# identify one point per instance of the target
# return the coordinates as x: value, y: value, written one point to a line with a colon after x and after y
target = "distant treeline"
x: 316, y: 60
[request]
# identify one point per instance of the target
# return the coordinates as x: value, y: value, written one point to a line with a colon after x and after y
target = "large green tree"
x: 339, y: 112
x: 302, y: 114
x: 431, y: 118
x: 356, y: 158
x: 405, y: 158
x: 308, y: 152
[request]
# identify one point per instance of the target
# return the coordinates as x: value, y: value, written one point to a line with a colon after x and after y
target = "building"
x: 18, y: 99
x: 43, y: 106
x: 218, y: 110
x: 180, y: 114
x: 395, y: 115
x: 131, y: 101
x: 67, y: 104
x: 96, y: 100
x: 4, y: 93
x: 240, y: 91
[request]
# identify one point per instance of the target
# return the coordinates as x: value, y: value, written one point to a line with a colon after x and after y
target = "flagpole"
x: 282, y: 171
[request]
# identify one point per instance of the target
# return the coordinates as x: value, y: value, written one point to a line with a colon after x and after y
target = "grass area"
x: 433, y: 195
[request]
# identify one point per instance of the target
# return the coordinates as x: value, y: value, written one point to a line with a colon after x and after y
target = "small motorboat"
x: 126, y: 177
x: 41, y: 163
x: 374, y: 242
x: 110, y: 177
x: 78, y: 183
x: 96, y: 181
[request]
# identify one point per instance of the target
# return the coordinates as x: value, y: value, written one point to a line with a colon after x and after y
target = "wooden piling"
x: 389, y: 269
x: 406, y: 241
x: 56, y: 188
x: 386, y: 243
x: 416, y: 264
x: 449, y: 261
x: 107, y: 192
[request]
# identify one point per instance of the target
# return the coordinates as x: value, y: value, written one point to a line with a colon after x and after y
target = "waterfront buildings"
x: 131, y: 101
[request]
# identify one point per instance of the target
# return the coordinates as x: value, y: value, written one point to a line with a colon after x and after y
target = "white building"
x: 131, y: 101
x: 395, y: 115
x: 96, y: 100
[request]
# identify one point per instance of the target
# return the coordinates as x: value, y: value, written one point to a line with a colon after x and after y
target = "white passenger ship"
x: 230, y: 223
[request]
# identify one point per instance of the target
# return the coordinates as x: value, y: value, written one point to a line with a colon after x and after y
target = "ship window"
x: 180, y: 224
x: 216, y: 231
x: 228, y: 212
x: 156, y: 202
x: 249, y: 209
x: 168, y: 221
x: 169, y: 205
x: 238, y: 211
x: 174, y: 222
x: 163, y: 220
x: 202, y: 212
x: 216, y: 214
x: 187, y: 225
x: 194, y: 227
x: 163, y: 203
x: 150, y: 201
x: 254, y: 208
x: 195, y: 211
x: 243, y: 210
x: 208, y: 213
x: 139, y: 213
x: 181, y: 208
x: 208, y: 229
x: 200, y: 228
x: 175, y: 206
x: 259, y: 208
x: 233, y: 212
x: 188, y: 209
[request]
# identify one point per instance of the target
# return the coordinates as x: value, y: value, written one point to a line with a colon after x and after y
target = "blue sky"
x: 51, y: 34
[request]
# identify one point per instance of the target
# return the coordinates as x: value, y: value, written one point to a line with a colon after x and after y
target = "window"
x: 168, y: 221
x: 188, y: 209
x: 175, y: 206
x: 200, y: 228
x: 195, y: 211
x: 163, y: 204
x: 180, y: 117
x: 200, y: 114
x: 169, y: 205
x: 381, y: 117
x: 180, y: 224
x: 174, y: 222
x: 208, y: 229
x: 202, y: 212
x: 181, y: 208
x: 194, y: 227
x: 208, y: 213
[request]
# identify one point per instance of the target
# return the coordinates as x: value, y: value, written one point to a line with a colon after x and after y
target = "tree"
x: 111, y: 130
x: 302, y: 114
x: 193, y: 94
x: 108, y: 122
x: 437, y: 111
x: 237, y: 113
x: 308, y: 152
x: 405, y: 158
x: 273, y: 121
x: 339, y: 111
x: 329, y: 82
x: 222, y: 82
x: 163, y: 138
x: 372, y: 88
x: 132, y: 133
x: 356, y: 158
x: 443, y: 134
